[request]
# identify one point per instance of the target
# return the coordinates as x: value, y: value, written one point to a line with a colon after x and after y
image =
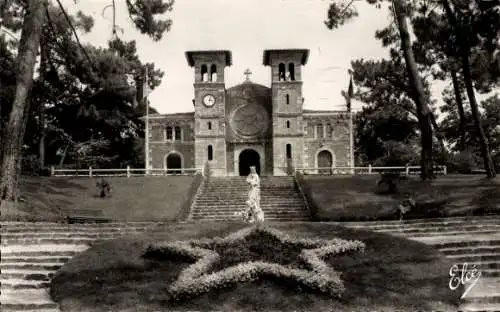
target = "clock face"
x: 209, y: 100
x: 250, y: 120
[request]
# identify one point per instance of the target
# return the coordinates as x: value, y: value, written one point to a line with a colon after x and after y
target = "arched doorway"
x: 174, y: 161
x: 325, y: 160
x: 248, y: 158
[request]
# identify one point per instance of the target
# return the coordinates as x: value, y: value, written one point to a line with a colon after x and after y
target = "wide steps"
x: 26, y: 299
x: 470, y: 250
x: 237, y: 218
x: 471, y: 240
x: 221, y: 197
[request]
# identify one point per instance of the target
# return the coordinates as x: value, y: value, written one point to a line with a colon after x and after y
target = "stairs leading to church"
x: 475, y: 241
x: 220, y: 197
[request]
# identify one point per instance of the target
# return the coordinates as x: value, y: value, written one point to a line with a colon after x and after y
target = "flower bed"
x: 198, y: 279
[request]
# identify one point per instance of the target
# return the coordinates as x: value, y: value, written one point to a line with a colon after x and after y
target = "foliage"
x: 196, y: 279
x: 82, y: 103
x: 416, y: 87
x: 99, y: 82
x: 386, y: 129
x: 7, y: 82
x: 490, y: 116
x: 142, y: 13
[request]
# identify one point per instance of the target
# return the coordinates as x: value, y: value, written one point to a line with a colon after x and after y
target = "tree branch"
x: 9, y: 34
x: 345, y: 8
x: 75, y: 33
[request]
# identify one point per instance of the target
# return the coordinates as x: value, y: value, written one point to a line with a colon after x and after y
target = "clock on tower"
x: 209, y: 100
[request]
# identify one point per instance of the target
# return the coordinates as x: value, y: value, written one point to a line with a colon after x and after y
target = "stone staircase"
x: 32, y: 252
x: 465, y: 240
x: 220, y: 197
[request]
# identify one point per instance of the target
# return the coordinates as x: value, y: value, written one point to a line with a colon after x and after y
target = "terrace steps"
x: 471, y: 240
x: 221, y: 197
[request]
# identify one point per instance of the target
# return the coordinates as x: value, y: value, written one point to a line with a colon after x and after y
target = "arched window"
x: 168, y: 133
x: 281, y: 72
x: 204, y: 73
x: 287, y: 99
x: 209, y: 125
x: 319, y: 131
x: 288, y: 124
x: 329, y: 130
x: 288, y: 151
x: 291, y: 70
x: 210, y: 152
x: 177, y: 134
x: 213, y: 73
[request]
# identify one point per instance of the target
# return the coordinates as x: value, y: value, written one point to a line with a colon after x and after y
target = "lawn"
x: 347, y: 198
x: 135, y: 198
x: 392, y: 274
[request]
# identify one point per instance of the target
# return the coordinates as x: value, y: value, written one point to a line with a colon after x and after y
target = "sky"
x: 247, y: 28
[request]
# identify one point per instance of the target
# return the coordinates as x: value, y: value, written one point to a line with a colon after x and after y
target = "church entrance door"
x: 248, y: 158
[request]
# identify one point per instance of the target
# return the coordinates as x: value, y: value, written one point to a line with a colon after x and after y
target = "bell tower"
x: 286, y: 84
x: 209, y: 108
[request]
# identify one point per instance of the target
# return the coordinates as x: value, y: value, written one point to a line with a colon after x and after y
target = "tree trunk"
x: 478, y: 125
x: 1, y: 127
x: 19, y: 162
x: 438, y: 134
x: 460, y: 105
x: 41, y: 104
x: 418, y: 92
x: 26, y: 59
x: 464, y: 49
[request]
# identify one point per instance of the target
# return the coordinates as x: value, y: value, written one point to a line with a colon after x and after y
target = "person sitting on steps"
x: 405, y: 205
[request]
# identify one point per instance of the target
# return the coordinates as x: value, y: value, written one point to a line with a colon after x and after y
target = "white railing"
x: 126, y: 172
x: 408, y: 170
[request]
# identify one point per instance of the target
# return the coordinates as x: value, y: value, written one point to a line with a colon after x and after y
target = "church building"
x: 250, y: 124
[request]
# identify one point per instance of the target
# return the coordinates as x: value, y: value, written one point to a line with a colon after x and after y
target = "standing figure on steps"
x: 253, y: 212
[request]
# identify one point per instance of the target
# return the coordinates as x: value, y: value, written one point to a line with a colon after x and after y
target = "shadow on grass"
x: 488, y: 201
x: 133, y: 199
x: 359, y: 199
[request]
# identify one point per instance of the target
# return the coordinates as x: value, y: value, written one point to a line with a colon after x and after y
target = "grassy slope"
x: 135, y: 198
x: 393, y: 274
x: 354, y: 198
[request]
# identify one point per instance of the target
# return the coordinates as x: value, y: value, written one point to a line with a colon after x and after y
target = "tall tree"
x: 142, y: 13
x: 463, y: 38
x: 460, y: 40
x: 337, y: 15
x: 26, y: 59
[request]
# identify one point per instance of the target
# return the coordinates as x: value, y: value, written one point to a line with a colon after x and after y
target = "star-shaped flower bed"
x: 240, y: 257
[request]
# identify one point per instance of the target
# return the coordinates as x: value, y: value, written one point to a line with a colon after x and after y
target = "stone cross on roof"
x: 247, y: 73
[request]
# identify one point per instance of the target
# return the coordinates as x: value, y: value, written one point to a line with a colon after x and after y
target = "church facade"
x: 250, y: 124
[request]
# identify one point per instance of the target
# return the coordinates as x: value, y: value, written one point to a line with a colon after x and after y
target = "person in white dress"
x: 253, y: 212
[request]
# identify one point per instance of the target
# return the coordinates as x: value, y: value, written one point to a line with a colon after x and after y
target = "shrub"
x: 196, y: 279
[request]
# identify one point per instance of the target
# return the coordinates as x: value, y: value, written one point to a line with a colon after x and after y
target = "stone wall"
x: 160, y: 151
x: 327, y: 132
x: 160, y: 146
x: 218, y: 162
x: 280, y: 157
